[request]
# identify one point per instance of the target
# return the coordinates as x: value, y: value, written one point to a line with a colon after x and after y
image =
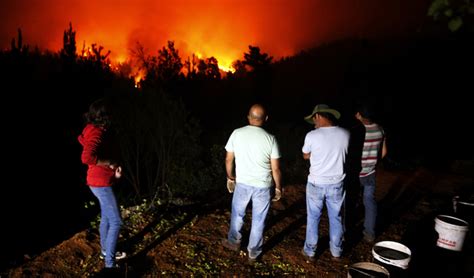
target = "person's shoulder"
x: 238, y: 130
x: 89, y: 128
x: 93, y: 130
x: 375, y: 127
x: 343, y: 129
x: 245, y: 127
x: 313, y: 131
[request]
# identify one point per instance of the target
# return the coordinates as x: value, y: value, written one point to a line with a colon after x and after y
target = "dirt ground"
x: 185, y: 241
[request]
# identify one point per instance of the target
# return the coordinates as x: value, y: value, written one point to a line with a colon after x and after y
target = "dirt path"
x: 187, y: 242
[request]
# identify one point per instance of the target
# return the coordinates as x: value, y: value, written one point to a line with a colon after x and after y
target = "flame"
x: 120, y: 59
x: 138, y: 77
x: 224, y: 63
x: 226, y: 67
x: 198, y: 55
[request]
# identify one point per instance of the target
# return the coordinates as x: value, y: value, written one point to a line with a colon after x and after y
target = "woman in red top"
x: 101, y: 174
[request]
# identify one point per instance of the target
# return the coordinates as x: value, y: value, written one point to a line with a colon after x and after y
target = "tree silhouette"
x: 208, y: 69
x: 260, y: 73
x: 240, y: 69
x: 256, y: 60
x: 212, y: 70
x: 169, y: 63
x: 69, y: 44
x: 191, y: 65
x: 17, y: 46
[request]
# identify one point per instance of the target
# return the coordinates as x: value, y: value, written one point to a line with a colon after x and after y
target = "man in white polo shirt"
x: 257, y: 168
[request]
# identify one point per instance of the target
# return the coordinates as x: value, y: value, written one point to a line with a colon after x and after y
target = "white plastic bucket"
x: 366, y: 269
x: 392, y: 253
x: 451, y: 232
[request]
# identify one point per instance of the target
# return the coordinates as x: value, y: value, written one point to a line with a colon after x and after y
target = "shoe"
x: 115, y: 267
x: 336, y: 259
x: 252, y: 261
x: 307, y: 258
x: 118, y: 255
x: 231, y: 246
x: 368, y: 237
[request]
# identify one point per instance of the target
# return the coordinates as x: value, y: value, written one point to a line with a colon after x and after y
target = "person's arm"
x: 90, y: 139
x: 306, y: 156
x: 229, y: 165
x: 276, y: 173
x: 384, y: 148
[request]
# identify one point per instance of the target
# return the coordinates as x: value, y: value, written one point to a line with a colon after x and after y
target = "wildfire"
x: 138, y: 77
x: 224, y: 64
x: 220, y: 29
x: 226, y: 67
x: 86, y: 52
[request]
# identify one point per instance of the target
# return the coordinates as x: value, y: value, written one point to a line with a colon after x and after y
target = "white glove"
x: 230, y: 185
x: 277, y: 196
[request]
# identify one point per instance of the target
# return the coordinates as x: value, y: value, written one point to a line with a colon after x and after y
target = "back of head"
x: 257, y: 115
x: 366, y: 110
x: 98, y: 113
x: 329, y: 117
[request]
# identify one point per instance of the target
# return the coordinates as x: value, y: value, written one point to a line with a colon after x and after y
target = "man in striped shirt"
x: 374, y: 148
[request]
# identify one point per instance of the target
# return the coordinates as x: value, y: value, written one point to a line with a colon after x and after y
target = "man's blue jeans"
x: 260, y: 198
x: 316, y: 195
x: 110, y: 222
x: 368, y: 185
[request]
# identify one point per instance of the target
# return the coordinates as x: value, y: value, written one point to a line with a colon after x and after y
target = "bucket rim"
x: 464, y: 227
x: 402, y: 263
x: 373, y: 266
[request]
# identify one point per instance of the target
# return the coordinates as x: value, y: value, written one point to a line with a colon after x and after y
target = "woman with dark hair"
x: 102, y: 172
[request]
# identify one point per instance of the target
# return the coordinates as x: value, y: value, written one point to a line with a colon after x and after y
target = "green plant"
x: 456, y: 12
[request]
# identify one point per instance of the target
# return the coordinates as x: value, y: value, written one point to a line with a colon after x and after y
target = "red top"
x: 97, y: 175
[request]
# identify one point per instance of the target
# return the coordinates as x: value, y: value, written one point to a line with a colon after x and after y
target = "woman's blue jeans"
x: 370, y: 204
x: 110, y: 222
x: 260, y: 198
x: 316, y: 195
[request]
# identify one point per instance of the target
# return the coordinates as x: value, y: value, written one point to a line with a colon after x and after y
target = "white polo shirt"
x: 253, y: 148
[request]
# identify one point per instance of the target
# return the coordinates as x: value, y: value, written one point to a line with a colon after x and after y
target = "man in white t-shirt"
x: 326, y: 148
x: 257, y: 168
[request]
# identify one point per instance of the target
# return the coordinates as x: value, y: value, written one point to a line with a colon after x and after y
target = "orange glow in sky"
x: 220, y: 28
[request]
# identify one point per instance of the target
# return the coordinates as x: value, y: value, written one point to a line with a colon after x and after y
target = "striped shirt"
x: 372, y: 145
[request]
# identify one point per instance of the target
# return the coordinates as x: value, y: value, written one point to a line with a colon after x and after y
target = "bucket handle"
x: 362, y: 272
x: 383, y: 259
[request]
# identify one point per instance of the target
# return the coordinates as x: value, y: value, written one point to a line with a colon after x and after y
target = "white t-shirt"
x: 253, y: 149
x: 328, y: 148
